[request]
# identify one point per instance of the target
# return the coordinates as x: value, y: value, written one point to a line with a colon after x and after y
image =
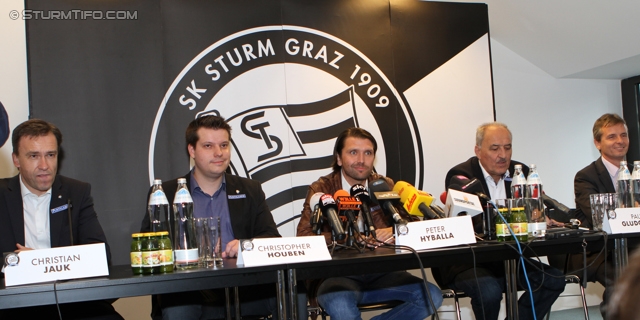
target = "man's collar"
x: 24, y: 191
x: 195, y: 185
x: 611, y: 168
x: 487, y: 176
x: 348, y: 186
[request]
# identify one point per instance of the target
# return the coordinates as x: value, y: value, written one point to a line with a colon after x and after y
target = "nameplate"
x: 62, y: 263
x: 622, y: 220
x: 271, y: 251
x: 438, y: 233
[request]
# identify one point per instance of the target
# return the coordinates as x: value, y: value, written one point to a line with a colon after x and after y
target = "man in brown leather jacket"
x: 354, y: 154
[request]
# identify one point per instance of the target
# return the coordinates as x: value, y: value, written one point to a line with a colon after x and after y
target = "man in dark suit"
x: 611, y: 138
x: 485, y: 284
x: 28, y: 218
x: 241, y: 206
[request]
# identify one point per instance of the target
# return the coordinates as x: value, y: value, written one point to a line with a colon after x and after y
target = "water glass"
x: 602, y: 203
x: 209, y: 240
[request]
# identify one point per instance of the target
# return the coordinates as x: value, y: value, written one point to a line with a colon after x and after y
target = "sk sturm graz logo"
x: 287, y: 93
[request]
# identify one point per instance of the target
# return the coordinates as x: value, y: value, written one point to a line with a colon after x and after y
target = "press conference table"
x: 122, y: 283
x: 346, y: 263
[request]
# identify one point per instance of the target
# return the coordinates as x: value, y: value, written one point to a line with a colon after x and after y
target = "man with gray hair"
x: 493, y: 167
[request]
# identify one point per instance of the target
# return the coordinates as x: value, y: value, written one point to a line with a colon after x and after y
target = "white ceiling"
x: 588, y: 39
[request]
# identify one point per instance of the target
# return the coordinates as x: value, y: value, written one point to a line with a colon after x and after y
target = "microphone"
x: 553, y: 203
x: 348, y: 205
x: 472, y: 186
x: 360, y: 192
x: 316, y: 214
x: 383, y: 195
x: 443, y: 197
x: 403, y: 189
x: 462, y: 198
x: 328, y: 207
x: 438, y: 210
x: 418, y: 202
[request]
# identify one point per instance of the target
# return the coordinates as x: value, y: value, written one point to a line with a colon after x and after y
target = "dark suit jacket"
x: 250, y: 216
x: 86, y: 227
x: 594, y: 178
x: 471, y: 169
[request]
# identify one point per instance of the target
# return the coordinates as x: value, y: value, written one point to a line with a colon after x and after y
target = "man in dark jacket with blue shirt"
x: 241, y: 206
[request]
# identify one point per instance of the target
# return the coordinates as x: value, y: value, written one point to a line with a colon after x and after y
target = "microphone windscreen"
x: 443, y: 197
x: 341, y: 193
x: 315, y: 199
x: 414, y: 199
x: 403, y: 190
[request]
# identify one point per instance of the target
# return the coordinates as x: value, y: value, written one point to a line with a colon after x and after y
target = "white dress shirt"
x: 496, y: 190
x: 36, y: 218
x: 613, y: 170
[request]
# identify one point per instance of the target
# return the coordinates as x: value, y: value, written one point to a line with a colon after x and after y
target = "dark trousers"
x: 486, y: 291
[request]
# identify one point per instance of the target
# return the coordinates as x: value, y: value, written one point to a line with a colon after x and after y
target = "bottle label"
x: 165, y: 257
x: 519, y: 228
x: 158, y: 198
x: 186, y: 256
x: 136, y: 259
x: 182, y: 196
x: 501, y: 230
x: 150, y: 259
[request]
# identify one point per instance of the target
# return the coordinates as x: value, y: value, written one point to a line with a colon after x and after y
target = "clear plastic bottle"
x: 624, y: 191
x: 635, y: 183
x: 534, y: 184
x: 535, y: 214
x: 158, y: 208
x: 184, y: 244
x: 519, y: 183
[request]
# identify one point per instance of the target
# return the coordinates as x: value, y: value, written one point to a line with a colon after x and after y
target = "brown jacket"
x: 330, y: 184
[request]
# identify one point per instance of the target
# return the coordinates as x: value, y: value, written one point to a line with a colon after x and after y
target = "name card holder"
x: 272, y: 251
x: 438, y: 233
x: 62, y: 263
x: 622, y: 220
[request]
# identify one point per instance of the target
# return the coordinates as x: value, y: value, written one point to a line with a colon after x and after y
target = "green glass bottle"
x: 518, y: 223
x: 136, y: 253
x: 150, y: 262
x: 502, y: 232
x: 165, y: 253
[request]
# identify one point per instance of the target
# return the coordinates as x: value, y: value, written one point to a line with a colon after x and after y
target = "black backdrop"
x: 101, y: 81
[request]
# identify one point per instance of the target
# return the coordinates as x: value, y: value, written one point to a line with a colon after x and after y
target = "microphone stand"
x: 334, y: 243
x: 352, y: 231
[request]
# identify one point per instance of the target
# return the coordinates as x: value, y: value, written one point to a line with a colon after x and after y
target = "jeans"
x: 340, y: 297
x: 486, y: 291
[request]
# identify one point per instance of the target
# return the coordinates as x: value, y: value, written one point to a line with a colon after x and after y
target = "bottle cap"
x: 182, y: 180
x: 157, y: 181
x: 163, y: 233
x: 137, y: 235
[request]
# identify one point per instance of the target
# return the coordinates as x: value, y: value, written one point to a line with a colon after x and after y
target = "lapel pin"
x: 237, y: 191
x: 59, y: 196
